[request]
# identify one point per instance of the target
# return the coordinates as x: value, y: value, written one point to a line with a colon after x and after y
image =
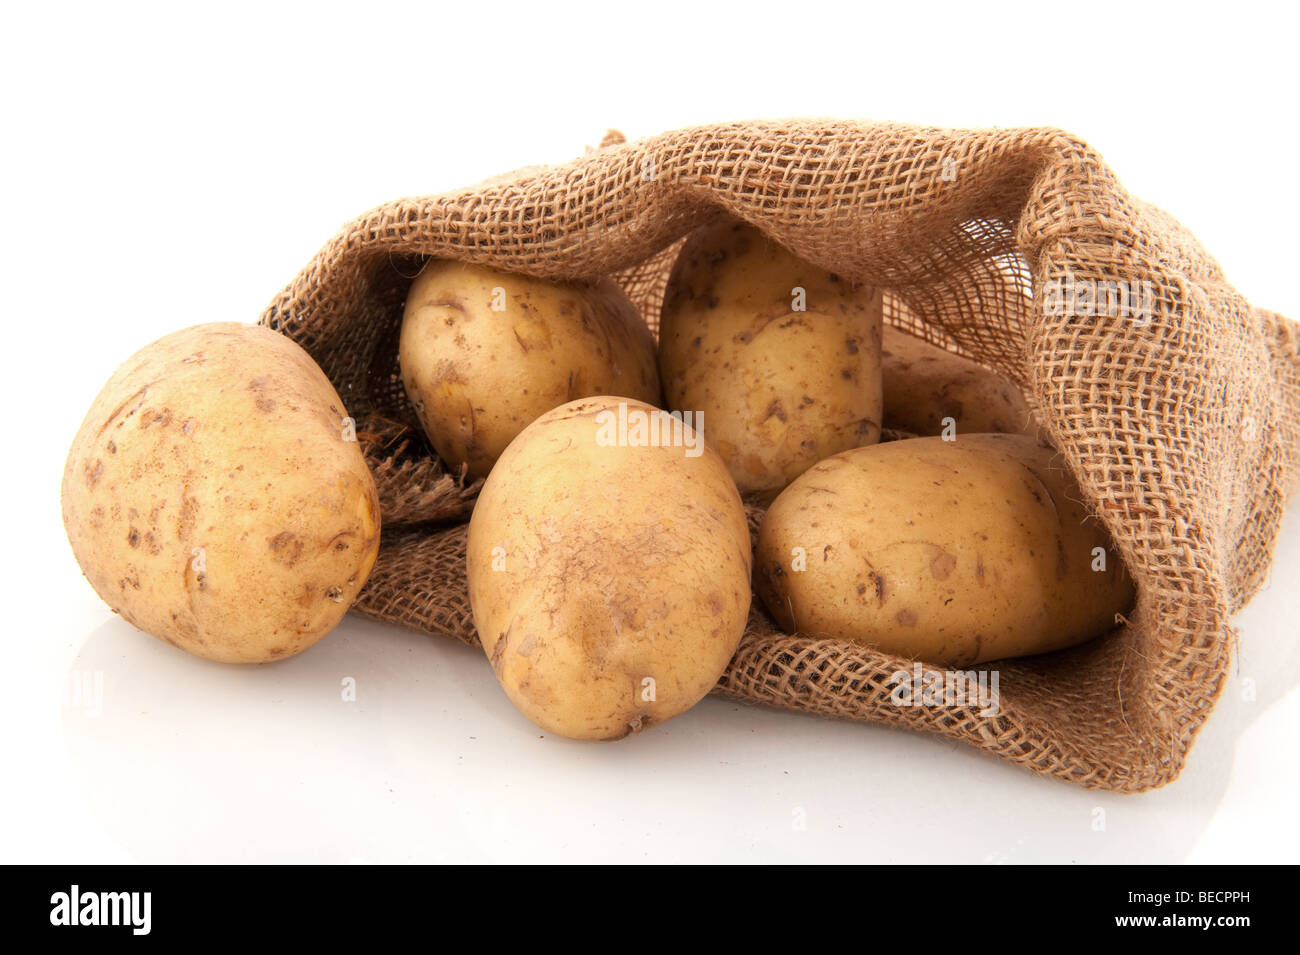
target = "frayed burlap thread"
x: 1181, y: 423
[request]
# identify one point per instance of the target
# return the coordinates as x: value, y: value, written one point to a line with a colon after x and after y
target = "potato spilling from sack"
x: 216, y: 497
x: 609, y: 568
x: 484, y: 353
x: 781, y: 357
x: 951, y: 552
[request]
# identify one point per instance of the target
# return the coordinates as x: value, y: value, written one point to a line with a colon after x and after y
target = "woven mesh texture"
x: 1178, y: 425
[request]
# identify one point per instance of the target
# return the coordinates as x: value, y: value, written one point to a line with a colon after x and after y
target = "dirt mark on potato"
x: 286, y: 548
x: 127, y: 408
x: 260, y: 386
x: 532, y: 335
x: 498, y: 651
x: 942, y: 563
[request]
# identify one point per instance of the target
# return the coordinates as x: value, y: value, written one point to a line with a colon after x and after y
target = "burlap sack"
x: 1179, y: 424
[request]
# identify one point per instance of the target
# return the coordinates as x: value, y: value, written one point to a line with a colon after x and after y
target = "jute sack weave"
x: 1180, y: 417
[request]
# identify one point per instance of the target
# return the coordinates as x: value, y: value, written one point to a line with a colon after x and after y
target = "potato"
x: 610, y: 580
x: 213, y: 498
x: 924, y: 384
x: 483, y: 353
x: 781, y: 357
x: 948, y: 552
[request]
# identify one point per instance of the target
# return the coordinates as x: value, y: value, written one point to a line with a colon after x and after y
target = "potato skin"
x: 477, y: 377
x: 779, y: 389
x: 924, y: 384
x: 617, y: 564
x: 211, y: 499
x: 952, y: 553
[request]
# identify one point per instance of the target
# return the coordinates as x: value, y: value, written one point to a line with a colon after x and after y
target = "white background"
x: 162, y: 168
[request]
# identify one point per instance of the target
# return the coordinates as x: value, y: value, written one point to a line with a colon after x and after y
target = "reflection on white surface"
x: 189, y: 760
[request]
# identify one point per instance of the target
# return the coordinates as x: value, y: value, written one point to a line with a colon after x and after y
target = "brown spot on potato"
x: 286, y: 548
x: 259, y: 386
x: 120, y: 411
x: 942, y: 563
x: 447, y: 373
x: 851, y: 345
x: 532, y: 334
x: 188, y: 515
x: 133, y: 537
x: 151, y: 417
x: 93, y: 472
x: 906, y: 618
x: 638, y: 723
x: 878, y: 583
x: 499, y: 650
